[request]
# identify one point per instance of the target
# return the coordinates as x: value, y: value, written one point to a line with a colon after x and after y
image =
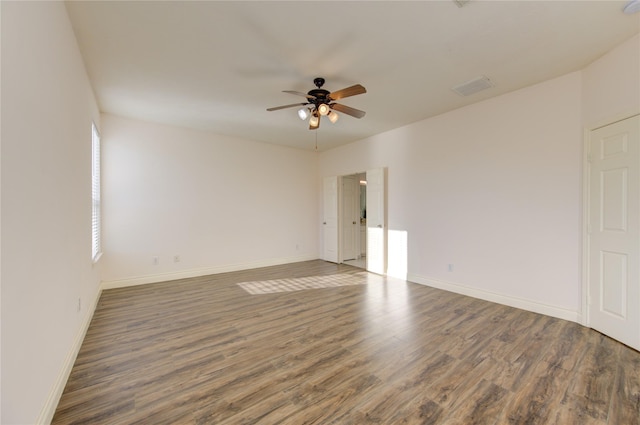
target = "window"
x: 96, y: 247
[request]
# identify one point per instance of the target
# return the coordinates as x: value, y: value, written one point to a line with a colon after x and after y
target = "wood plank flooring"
x: 205, y: 351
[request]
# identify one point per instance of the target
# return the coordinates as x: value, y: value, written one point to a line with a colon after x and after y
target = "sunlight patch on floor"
x: 301, y: 283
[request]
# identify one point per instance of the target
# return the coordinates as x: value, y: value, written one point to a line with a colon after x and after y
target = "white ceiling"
x: 217, y: 66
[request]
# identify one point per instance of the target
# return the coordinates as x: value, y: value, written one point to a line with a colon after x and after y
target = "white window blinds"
x: 96, y: 247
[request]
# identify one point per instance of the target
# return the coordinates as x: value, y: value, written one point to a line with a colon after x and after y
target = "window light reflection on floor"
x: 301, y: 283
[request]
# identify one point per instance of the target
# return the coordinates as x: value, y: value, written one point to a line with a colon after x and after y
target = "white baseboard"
x: 49, y: 408
x: 184, y: 274
x: 521, y: 303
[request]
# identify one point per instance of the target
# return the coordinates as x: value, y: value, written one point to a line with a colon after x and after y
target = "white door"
x: 614, y: 231
x: 349, y: 219
x: 376, y: 225
x: 330, y: 219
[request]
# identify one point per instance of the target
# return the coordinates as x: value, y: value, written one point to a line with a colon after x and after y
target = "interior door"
x: 330, y: 219
x: 614, y: 231
x: 349, y: 220
x: 376, y: 224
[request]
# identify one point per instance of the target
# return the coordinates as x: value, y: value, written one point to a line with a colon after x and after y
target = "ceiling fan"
x: 322, y: 102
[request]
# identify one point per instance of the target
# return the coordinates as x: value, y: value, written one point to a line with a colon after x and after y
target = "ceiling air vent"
x: 461, y: 3
x: 473, y: 86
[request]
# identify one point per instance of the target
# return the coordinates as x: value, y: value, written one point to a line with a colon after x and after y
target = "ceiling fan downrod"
x: 320, y: 95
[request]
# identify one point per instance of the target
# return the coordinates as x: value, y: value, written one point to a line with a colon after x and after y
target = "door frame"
x: 339, y: 220
x: 583, y: 316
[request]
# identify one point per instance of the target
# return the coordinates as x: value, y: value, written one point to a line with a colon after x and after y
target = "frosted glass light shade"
x: 303, y: 113
x: 333, y: 117
x: 323, y: 109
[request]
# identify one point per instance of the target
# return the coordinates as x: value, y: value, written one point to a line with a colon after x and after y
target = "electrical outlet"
x: 79, y: 304
x: 155, y: 261
x: 450, y: 268
x: 176, y: 258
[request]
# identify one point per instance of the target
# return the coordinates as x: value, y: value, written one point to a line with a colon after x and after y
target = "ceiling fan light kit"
x: 323, y: 103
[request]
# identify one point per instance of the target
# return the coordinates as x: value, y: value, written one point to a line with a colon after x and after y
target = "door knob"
x: 380, y: 225
x: 324, y: 222
x: 354, y: 222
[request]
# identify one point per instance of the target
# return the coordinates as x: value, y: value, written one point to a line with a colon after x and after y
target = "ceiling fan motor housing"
x: 321, y: 95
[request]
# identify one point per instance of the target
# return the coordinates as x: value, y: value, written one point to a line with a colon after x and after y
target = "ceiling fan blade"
x: 349, y: 91
x: 275, y: 108
x: 357, y: 113
x: 298, y: 93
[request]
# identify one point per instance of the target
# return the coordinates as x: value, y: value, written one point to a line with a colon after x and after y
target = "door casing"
x: 376, y: 232
x: 587, y: 259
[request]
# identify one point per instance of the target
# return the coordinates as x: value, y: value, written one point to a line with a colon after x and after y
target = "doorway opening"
x: 343, y: 222
x: 353, y: 219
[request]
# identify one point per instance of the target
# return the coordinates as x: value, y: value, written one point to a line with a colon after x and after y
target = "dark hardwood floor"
x: 361, y: 349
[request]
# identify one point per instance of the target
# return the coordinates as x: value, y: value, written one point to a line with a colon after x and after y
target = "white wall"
x: 494, y: 189
x: 611, y: 85
x: 47, y: 111
x: 219, y: 203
